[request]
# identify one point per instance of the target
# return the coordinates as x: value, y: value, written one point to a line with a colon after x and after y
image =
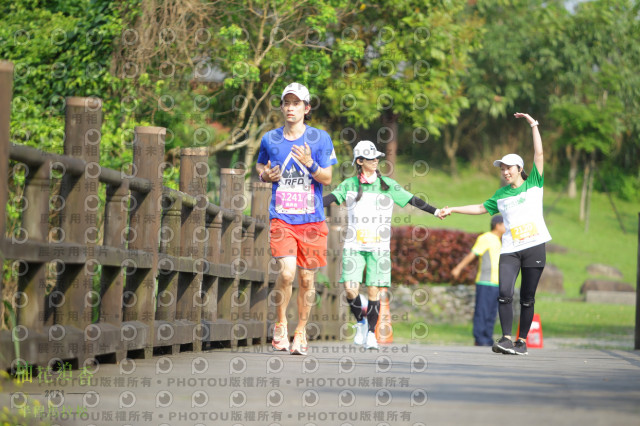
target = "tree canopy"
x: 433, y: 78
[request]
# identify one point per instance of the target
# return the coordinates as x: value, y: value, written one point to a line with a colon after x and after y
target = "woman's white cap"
x: 510, y: 160
x: 367, y: 150
x: 300, y: 90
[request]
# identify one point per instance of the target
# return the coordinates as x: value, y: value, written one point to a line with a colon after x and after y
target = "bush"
x: 422, y: 255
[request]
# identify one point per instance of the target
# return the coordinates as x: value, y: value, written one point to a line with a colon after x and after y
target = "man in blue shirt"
x: 297, y: 159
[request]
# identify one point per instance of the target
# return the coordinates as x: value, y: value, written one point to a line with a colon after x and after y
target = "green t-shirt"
x: 521, y: 209
x: 369, y: 227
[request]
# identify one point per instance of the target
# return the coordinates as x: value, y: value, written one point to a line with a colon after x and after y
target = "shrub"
x: 421, y: 255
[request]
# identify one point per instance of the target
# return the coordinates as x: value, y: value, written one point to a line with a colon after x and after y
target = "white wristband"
x: 535, y: 123
x: 437, y: 212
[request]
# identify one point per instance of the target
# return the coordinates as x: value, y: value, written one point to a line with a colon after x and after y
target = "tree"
x: 512, y: 70
x: 243, y: 54
x: 595, y: 101
x: 404, y: 65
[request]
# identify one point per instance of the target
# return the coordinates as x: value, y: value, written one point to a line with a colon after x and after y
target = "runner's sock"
x: 356, y: 308
x: 372, y: 314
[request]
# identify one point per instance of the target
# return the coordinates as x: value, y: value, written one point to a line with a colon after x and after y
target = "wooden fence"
x: 172, y: 271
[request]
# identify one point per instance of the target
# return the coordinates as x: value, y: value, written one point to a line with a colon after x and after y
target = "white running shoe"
x: 362, y: 328
x: 372, y: 342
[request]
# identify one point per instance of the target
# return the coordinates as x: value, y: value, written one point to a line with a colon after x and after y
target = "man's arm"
x: 320, y: 174
x: 268, y: 173
x: 470, y: 257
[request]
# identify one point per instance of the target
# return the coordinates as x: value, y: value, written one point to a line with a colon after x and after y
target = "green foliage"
x: 588, y: 127
x: 63, y: 49
x: 402, y: 58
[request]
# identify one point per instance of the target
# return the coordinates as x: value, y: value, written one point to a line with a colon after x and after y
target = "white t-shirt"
x: 521, y: 209
x: 369, y: 226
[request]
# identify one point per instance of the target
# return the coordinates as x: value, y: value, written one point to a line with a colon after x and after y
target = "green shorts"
x: 378, y: 266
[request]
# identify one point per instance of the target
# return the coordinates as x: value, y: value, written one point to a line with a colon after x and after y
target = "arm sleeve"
x: 263, y: 155
x: 328, y: 199
x: 491, y: 205
x: 398, y: 194
x: 536, y: 178
x: 422, y: 205
x: 326, y: 154
x: 479, y: 247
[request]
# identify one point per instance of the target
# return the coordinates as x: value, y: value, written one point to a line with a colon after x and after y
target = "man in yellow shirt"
x: 487, y: 250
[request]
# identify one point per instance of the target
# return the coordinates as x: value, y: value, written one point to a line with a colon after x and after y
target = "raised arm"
x: 538, y: 157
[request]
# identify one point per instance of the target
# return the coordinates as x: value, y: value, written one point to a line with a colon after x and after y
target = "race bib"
x: 295, y: 200
x: 524, y: 233
x: 367, y: 236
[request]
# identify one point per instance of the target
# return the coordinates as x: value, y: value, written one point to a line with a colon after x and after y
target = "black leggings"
x: 531, y: 261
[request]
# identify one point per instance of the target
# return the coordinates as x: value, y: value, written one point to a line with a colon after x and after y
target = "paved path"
x: 339, y: 384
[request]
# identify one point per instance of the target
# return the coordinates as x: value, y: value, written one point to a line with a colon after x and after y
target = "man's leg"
x: 282, y: 293
x: 283, y: 286
x: 306, y: 296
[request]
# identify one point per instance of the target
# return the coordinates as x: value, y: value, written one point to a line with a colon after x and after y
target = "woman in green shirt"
x: 523, y: 243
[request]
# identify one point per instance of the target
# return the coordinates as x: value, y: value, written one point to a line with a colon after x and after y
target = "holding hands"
x: 444, y: 212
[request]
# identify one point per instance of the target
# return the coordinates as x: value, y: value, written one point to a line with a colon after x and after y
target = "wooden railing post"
x: 6, y: 90
x: 193, y: 181
x: 336, y: 299
x: 78, y: 218
x: 112, y: 277
x: 261, y: 197
x: 170, y: 245
x: 30, y: 308
x: 231, y: 188
x: 144, y: 226
x: 216, y: 329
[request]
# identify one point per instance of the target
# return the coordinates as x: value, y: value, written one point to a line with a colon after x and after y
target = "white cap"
x: 367, y: 150
x: 297, y: 89
x: 510, y: 160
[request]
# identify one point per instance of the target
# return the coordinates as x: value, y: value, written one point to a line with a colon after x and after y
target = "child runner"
x: 369, y: 198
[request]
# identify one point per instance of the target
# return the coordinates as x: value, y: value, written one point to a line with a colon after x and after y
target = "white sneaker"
x: 372, y: 342
x: 361, y: 332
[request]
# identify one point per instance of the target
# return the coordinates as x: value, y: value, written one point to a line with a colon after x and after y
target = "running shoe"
x: 503, y: 346
x: 520, y: 347
x: 362, y: 327
x: 372, y: 342
x: 280, y: 340
x: 299, y: 345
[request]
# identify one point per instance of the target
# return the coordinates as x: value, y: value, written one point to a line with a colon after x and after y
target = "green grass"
x: 563, y: 316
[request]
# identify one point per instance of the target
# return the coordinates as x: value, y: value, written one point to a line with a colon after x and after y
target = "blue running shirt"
x: 296, y: 198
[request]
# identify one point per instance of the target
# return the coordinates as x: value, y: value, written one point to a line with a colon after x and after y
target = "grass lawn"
x: 604, y: 242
